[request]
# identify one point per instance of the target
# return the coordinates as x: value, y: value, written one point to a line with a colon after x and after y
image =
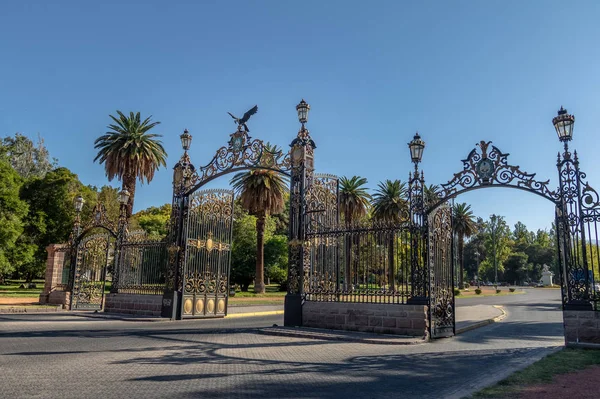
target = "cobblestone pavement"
x: 61, y: 355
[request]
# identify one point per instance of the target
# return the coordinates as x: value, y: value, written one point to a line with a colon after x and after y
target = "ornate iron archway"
x: 94, y: 250
x: 242, y: 152
x: 577, y: 216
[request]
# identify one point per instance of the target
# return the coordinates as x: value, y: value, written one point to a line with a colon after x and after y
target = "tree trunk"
x: 129, y: 184
x: 461, y: 247
x: 259, y: 278
x: 392, y: 263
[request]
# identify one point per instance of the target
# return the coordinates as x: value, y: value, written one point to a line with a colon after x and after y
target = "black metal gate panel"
x: 94, y: 255
x: 208, y: 238
x: 441, y: 272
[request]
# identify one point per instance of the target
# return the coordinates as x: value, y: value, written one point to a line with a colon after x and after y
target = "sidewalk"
x: 472, y: 317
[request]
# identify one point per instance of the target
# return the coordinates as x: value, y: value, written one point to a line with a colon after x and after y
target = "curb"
x: 344, y: 336
x: 252, y: 314
x: 483, y: 323
x: 30, y: 309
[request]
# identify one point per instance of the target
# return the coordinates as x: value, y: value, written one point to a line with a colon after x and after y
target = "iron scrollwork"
x: 489, y: 166
x: 241, y: 152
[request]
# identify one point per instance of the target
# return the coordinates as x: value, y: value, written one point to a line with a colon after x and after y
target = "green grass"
x: 270, y: 291
x: 11, y: 289
x: 565, y: 361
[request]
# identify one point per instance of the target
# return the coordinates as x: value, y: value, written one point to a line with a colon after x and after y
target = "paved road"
x: 59, y: 355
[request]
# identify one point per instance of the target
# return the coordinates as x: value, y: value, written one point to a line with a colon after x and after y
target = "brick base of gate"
x: 581, y: 327
x: 56, y: 298
x: 379, y: 318
x: 142, y: 305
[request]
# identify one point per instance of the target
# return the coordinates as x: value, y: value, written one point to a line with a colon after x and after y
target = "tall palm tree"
x: 464, y: 226
x: 391, y: 206
x: 354, y: 198
x: 262, y: 193
x: 129, y: 152
x: 354, y: 203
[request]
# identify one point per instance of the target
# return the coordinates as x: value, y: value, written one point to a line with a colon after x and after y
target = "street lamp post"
x: 78, y: 205
x: 477, y: 274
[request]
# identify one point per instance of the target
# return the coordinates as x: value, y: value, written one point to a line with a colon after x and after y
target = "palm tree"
x: 432, y: 194
x: 354, y: 199
x: 389, y: 202
x: 129, y: 152
x: 354, y: 202
x: 391, y: 206
x: 464, y: 226
x: 262, y: 193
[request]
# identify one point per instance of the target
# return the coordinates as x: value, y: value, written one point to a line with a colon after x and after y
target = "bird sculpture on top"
x: 242, y: 121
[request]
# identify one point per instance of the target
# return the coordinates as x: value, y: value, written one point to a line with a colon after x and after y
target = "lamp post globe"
x: 186, y: 140
x: 124, y: 196
x: 302, y: 110
x: 563, y: 123
x: 416, y: 146
x: 78, y: 203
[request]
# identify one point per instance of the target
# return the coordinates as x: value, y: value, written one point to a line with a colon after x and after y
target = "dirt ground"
x: 19, y: 300
x: 581, y: 384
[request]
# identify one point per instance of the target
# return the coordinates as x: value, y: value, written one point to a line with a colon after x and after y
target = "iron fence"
x: 142, y: 265
x: 372, y: 263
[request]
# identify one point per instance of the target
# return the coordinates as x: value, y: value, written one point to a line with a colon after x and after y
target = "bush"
x: 456, y: 291
x: 466, y: 285
x: 498, y: 291
x: 511, y: 289
x: 478, y: 291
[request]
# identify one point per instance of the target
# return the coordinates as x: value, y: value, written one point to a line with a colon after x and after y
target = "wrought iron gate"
x: 441, y: 272
x: 208, y: 237
x: 95, y: 253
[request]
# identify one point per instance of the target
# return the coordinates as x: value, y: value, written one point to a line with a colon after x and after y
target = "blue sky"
x: 374, y: 73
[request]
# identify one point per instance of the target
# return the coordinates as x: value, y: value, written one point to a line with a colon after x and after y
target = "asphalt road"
x: 60, y: 355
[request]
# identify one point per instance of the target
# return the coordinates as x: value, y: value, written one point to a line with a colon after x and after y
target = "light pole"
x: 78, y: 205
x: 477, y: 273
x: 494, y: 230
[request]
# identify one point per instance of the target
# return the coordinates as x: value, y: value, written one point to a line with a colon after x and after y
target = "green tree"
x: 432, y: 194
x: 154, y: 220
x: 389, y: 202
x: 276, y: 259
x: 262, y: 193
x: 390, y: 205
x: 129, y: 152
x: 516, y: 267
x: 12, y: 211
x: 353, y: 199
x: 243, y: 251
x: 51, y: 214
x: 497, y: 242
x: 28, y: 159
x: 464, y: 226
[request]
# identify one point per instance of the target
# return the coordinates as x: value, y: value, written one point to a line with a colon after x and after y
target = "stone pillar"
x: 54, y: 269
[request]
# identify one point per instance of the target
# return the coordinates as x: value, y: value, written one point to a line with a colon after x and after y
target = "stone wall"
x: 143, y: 305
x: 379, y: 318
x: 581, y: 327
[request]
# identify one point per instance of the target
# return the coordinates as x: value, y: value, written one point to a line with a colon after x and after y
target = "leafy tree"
x: 129, y: 152
x: 261, y: 194
x: 12, y: 210
x: 51, y: 214
x: 516, y: 267
x: 154, y: 220
x: 497, y: 242
x: 28, y: 159
x: 464, y: 226
x: 243, y: 251
x: 276, y: 259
